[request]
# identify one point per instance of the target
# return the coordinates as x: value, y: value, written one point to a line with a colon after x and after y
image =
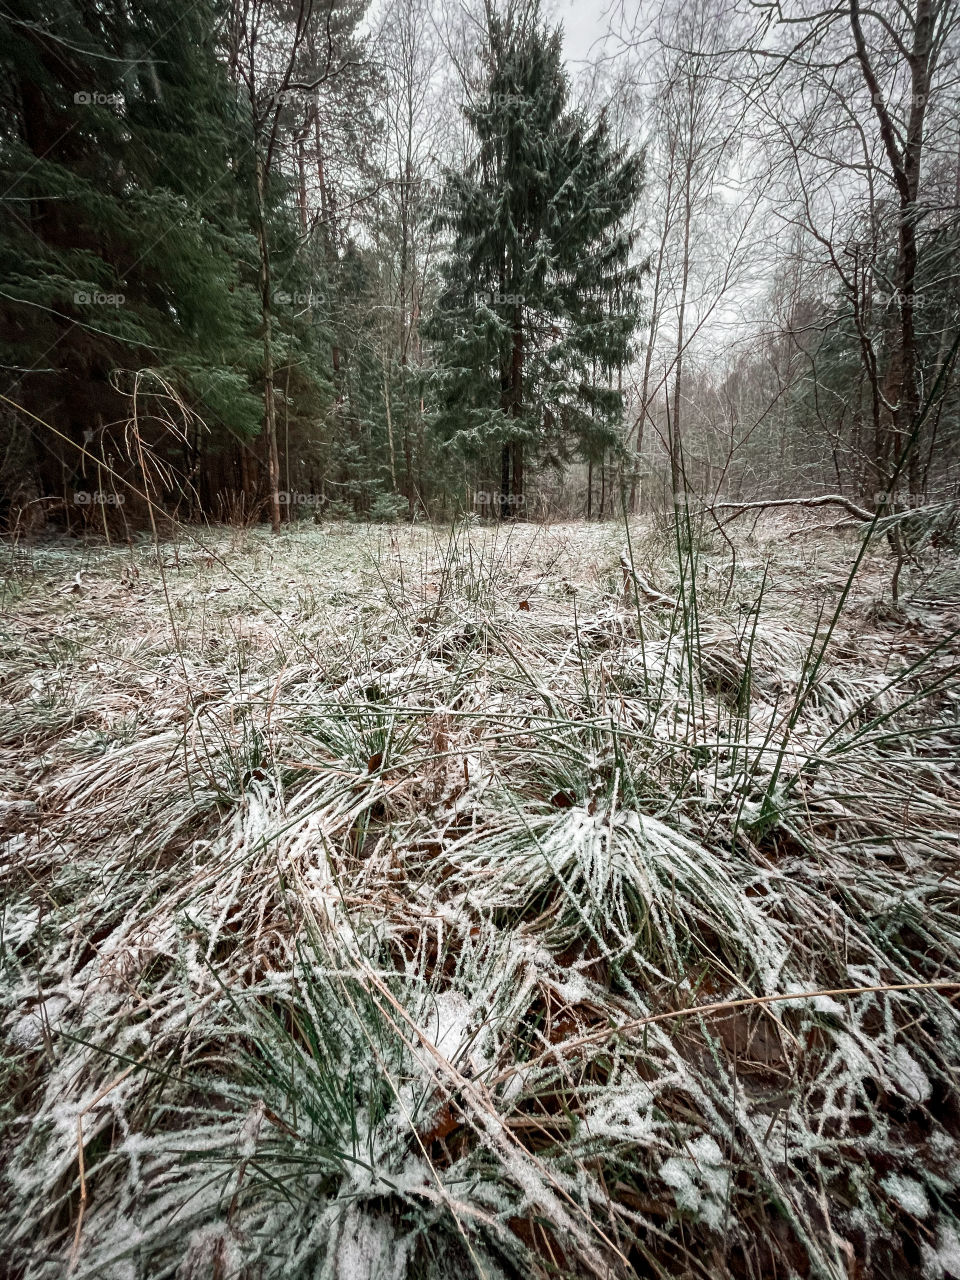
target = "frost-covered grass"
x: 362, y: 886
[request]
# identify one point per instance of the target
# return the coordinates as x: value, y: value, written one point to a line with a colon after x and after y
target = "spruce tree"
x: 540, y: 290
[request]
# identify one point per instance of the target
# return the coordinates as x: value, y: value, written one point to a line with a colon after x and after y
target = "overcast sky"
x: 584, y: 22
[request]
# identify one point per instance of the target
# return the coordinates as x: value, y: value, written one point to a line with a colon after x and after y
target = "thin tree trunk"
x: 905, y: 162
x: 286, y: 437
x: 651, y: 337
x: 677, y: 481
x: 516, y: 402
x: 389, y: 413
x: 301, y: 186
x: 269, y: 401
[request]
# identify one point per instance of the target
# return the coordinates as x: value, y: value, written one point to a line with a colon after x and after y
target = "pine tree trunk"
x: 516, y: 401
x: 408, y: 486
x: 302, y: 185
x: 246, y: 479
x: 269, y: 400
x: 516, y: 480
x: 326, y: 213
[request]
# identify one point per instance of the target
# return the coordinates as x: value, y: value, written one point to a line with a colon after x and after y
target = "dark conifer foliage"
x: 125, y: 236
x: 129, y: 261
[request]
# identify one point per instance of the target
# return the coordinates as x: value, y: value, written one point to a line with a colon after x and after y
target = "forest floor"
x: 369, y: 894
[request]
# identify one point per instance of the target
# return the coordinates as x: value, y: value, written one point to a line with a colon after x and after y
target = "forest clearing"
x: 479, y: 640
x: 388, y: 901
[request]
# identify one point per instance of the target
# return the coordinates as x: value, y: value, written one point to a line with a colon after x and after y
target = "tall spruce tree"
x: 540, y: 287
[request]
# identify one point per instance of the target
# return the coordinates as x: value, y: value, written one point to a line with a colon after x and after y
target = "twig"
x: 807, y: 529
x: 83, y: 1172
x: 719, y: 1006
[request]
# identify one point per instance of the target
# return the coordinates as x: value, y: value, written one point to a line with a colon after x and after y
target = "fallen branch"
x: 827, y: 500
x: 640, y: 585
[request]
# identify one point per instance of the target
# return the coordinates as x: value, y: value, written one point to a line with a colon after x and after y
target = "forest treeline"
x: 268, y: 259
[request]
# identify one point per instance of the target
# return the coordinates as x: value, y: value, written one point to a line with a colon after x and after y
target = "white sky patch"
x: 584, y: 28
